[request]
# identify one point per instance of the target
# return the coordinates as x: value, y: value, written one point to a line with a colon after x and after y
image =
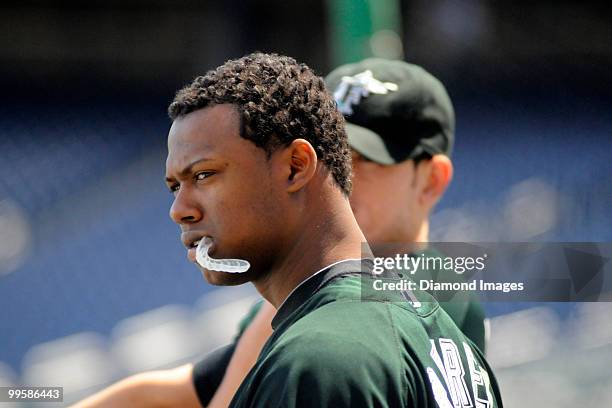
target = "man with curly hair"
x: 260, y: 168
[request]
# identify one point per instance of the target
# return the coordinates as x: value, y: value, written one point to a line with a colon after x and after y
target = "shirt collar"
x: 315, y: 282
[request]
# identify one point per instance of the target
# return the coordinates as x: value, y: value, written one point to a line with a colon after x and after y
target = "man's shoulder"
x: 341, y: 334
x: 341, y: 314
x: 393, y: 333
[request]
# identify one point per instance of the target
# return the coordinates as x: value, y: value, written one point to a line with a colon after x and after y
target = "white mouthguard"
x: 219, y: 265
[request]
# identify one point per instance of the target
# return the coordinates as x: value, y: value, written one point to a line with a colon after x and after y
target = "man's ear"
x: 301, y: 163
x: 439, y: 177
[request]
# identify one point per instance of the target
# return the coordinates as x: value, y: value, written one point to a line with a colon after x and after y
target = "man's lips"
x: 191, y: 252
x: 191, y: 240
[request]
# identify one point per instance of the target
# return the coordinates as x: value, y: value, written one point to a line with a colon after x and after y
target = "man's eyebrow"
x: 187, y: 169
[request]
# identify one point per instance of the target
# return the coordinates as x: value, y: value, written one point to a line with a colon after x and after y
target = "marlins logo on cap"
x: 394, y: 110
x: 352, y: 88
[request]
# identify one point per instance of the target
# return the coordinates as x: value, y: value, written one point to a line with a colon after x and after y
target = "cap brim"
x: 369, y: 144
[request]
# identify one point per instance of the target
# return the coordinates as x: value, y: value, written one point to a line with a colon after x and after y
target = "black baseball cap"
x: 394, y: 110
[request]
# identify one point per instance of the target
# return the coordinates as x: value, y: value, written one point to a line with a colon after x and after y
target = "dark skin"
x: 282, y: 213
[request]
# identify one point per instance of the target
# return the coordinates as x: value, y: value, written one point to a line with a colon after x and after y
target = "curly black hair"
x: 280, y: 100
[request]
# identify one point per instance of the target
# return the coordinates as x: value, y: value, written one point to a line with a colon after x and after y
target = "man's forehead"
x: 205, y: 125
x: 208, y: 131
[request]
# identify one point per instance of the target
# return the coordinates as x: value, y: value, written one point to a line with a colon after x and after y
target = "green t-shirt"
x: 334, y: 346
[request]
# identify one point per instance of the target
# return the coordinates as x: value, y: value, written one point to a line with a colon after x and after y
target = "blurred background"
x: 94, y: 282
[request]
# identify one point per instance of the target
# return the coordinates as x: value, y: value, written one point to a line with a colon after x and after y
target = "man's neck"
x: 423, y: 232
x: 322, y: 242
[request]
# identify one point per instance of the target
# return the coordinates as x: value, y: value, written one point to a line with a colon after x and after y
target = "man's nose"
x: 185, y: 209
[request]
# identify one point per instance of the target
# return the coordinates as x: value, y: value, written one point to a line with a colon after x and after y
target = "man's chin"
x: 224, y: 278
